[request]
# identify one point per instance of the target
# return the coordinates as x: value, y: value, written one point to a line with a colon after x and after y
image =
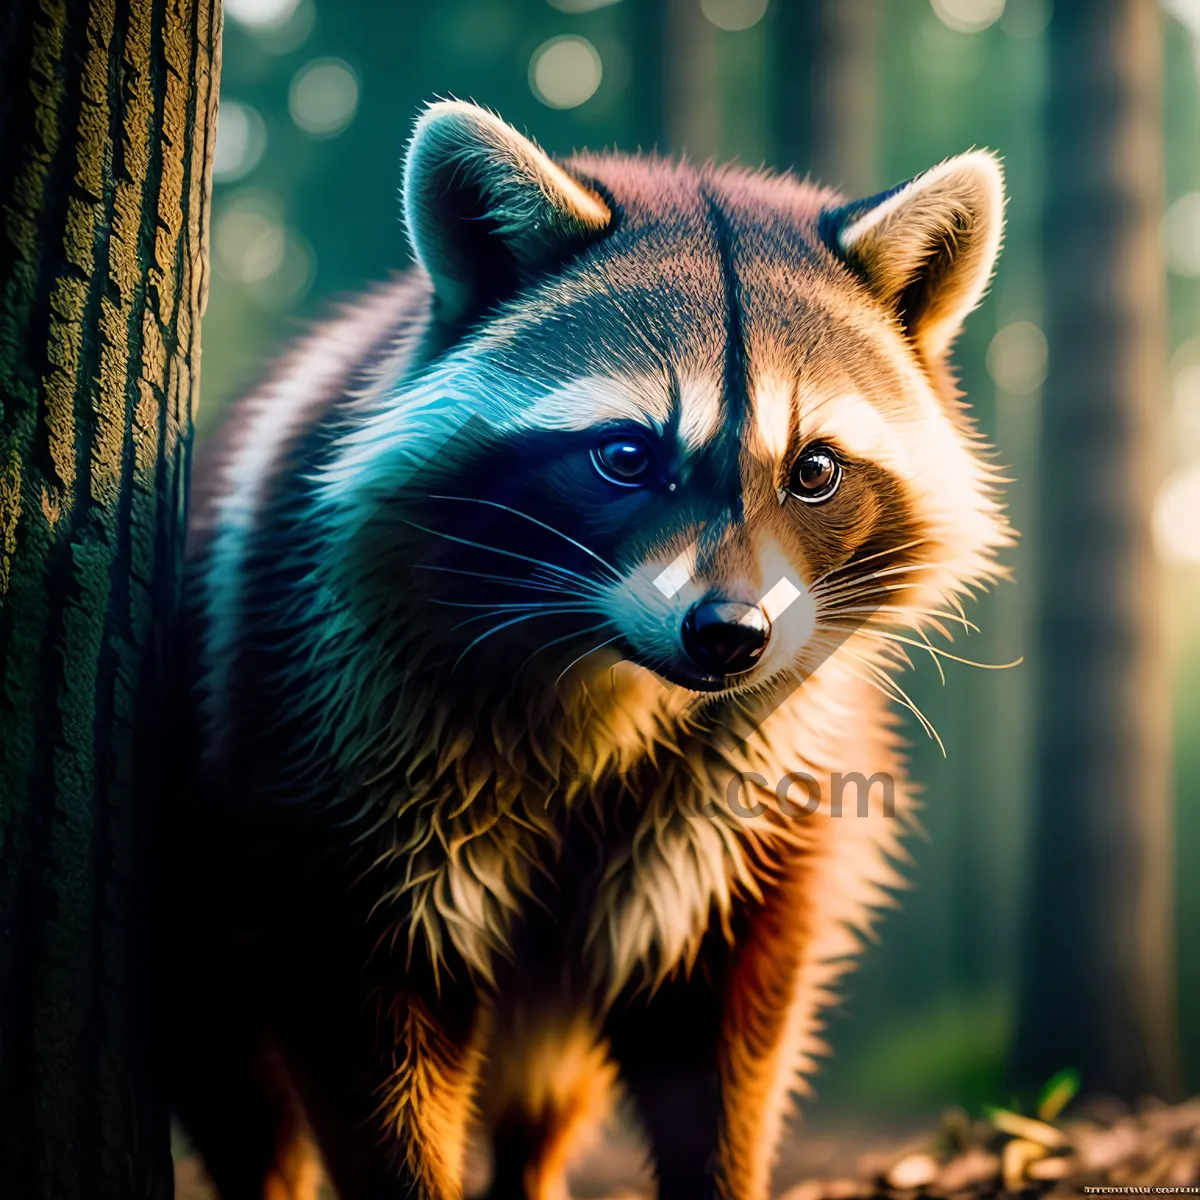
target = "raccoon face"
x: 695, y: 422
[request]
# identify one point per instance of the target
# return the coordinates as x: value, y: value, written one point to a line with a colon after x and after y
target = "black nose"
x: 725, y: 637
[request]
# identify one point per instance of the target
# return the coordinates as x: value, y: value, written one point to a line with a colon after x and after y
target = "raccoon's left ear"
x: 928, y: 247
x: 487, y: 210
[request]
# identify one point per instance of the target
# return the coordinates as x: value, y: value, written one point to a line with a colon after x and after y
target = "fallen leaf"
x: 1049, y: 1168
x: 1026, y: 1127
x: 915, y: 1171
x: 811, y: 1189
x: 973, y: 1167
x: 1018, y: 1155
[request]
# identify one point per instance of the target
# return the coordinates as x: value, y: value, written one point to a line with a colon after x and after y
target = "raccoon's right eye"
x: 816, y: 475
x: 623, y: 460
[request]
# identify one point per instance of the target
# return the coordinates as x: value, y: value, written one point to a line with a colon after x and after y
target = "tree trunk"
x: 825, y: 95
x: 106, y: 135
x: 646, y: 27
x: 690, y: 82
x: 1098, y: 986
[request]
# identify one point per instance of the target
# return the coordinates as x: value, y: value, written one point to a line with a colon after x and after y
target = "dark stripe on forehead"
x: 734, y: 384
x: 628, y: 325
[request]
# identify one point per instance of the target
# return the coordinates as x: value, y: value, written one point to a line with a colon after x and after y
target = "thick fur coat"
x: 543, y: 616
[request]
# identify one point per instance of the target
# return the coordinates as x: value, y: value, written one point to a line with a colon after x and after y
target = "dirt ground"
x: 1103, y: 1144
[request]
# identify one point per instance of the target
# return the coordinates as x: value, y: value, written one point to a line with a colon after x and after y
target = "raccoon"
x: 538, y: 605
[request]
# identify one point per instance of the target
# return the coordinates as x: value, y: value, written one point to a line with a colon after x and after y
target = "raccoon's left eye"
x: 623, y: 460
x: 816, y: 475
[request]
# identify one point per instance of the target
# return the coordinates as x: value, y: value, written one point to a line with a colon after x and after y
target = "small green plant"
x: 1057, y: 1092
x: 1034, y: 1138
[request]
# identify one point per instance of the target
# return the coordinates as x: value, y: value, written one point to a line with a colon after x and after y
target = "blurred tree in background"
x: 824, y: 106
x: 1098, y: 966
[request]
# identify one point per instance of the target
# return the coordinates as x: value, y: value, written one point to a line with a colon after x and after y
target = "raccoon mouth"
x: 680, y: 674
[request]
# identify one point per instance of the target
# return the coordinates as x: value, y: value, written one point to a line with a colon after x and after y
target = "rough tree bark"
x: 106, y: 132
x: 824, y: 102
x: 1098, y: 987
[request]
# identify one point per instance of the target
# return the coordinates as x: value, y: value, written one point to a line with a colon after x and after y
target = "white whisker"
x: 927, y: 646
x: 558, y: 641
x: 885, y: 572
x: 534, y: 610
x: 934, y: 614
x: 516, y: 512
x: 532, y: 584
x: 896, y: 692
x: 857, y: 562
x: 581, y: 657
x: 512, y: 605
x: 537, y: 562
x: 496, y: 629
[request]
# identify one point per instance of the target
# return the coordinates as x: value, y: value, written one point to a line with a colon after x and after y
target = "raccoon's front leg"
x: 388, y: 1078
x: 774, y: 993
x: 711, y: 1059
x: 666, y: 1046
x: 550, y: 1090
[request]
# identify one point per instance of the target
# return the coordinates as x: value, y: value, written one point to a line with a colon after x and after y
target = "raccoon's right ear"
x: 928, y: 247
x: 487, y: 210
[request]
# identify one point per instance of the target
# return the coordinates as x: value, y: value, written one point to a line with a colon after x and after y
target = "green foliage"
x: 1060, y: 1089
x: 923, y: 1061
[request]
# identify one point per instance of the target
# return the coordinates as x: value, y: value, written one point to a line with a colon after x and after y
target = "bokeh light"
x: 258, y: 14
x: 249, y: 238
x: 1177, y: 517
x: 1181, y: 235
x: 323, y: 97
x: 1187, y: 12
x: 290, y: 34
x: 565, y: 71
x: 968, y: 16
x: 734, y: 15
x: 1017, y: 358
x: 253, y: 247
x: 289, y: 282
x: 241, y: 140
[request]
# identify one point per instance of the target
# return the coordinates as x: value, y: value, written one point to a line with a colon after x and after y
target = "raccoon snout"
x: 725, y: 637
